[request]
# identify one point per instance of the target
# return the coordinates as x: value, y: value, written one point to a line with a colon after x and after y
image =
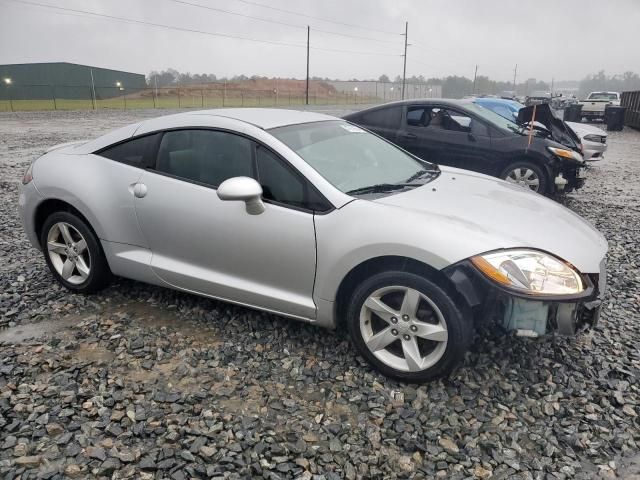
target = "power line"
x: 249, y: 2
x: 278, y: 22
x: 191, y: 30
x: 356, y: 52
x: 159, y: 25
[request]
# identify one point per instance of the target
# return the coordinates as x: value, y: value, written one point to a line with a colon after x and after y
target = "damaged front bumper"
x: 570, y: 179
x: 527, y: 315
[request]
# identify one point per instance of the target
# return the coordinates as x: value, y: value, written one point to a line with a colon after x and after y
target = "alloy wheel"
x: 403, y: 328
x: 68, y: 252
x: 524, y: 177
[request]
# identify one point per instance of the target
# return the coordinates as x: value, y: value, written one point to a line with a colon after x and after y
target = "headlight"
x: 530, y: 272
x: 566, y: 153
x: 593, y: 138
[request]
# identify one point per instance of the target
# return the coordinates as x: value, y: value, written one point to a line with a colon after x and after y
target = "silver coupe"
x: 314, y: 218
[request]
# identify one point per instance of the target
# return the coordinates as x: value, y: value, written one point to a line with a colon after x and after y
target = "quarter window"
x: 388, y: 117
x: 205, y: 156
x: 131, y: 152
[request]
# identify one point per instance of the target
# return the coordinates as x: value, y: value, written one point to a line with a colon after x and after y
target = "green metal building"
x: 41, y: 81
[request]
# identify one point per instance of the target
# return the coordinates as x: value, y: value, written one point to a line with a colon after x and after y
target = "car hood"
x: 508, y: 215
x: 582, y: 129
x: 560, y: 132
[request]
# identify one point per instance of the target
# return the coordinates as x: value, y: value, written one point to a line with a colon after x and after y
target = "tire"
x: 523, y: 172
x: 434, y: 309
x: 88, y: 271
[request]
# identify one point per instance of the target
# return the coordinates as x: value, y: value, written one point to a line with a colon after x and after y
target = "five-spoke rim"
x: 403, y: 328
x: 524, y: 177
x: 68, y: 252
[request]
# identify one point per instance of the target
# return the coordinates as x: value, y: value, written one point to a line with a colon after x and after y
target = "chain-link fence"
x: 214, y: 95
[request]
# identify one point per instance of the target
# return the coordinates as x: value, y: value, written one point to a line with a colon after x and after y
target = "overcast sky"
x: 546, y: 38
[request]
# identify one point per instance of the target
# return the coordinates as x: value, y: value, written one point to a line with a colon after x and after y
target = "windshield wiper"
x: 420, y: 174
x: 380, y: 188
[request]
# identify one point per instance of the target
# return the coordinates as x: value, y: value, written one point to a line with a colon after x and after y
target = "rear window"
x: 603, y: 96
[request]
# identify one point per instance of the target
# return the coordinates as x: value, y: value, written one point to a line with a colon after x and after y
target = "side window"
x: 205, y: 156
x: 281, y: 184
x: 131, y: 152
x: 388, y: 117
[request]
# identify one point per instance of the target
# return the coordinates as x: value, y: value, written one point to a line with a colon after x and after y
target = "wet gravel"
x: 143, y: 382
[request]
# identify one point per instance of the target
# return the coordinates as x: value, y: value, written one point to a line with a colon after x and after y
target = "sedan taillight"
x: 28, y: 175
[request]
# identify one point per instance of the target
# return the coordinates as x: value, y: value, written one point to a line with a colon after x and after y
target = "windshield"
x: 603, y: 96
x: 498, y: 121
x: 351, y: 158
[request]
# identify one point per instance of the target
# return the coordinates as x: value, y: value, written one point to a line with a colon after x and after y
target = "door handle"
x: 139, y: 190
x: 409, y: 136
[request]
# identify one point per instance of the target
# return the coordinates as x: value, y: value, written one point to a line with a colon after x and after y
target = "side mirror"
x: 243, y: 189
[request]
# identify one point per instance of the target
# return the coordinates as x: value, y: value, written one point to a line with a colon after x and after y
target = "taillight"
x: 28, y: 175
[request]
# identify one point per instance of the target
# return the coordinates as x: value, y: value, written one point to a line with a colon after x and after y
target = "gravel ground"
x: 143, y: 382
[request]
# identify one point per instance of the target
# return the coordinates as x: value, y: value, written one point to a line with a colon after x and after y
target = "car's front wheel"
x: 527, y: 175
x: 407, y: 326
x: 73, y: 253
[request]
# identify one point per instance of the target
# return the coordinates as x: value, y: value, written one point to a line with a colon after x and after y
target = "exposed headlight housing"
x: 530, y: 272
x: 593, y: 138
x: 566, y: 154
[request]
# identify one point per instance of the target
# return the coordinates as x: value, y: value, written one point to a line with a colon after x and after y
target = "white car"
x: 594, y: 140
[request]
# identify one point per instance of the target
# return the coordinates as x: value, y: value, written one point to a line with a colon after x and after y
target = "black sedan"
x: 462, y: 134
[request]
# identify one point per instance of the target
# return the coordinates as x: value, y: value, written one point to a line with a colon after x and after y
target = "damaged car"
x: 592, y: 139
x: 462, y: 134
x: 311, y: 217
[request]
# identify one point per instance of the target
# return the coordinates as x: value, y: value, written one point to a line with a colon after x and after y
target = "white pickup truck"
x: 593, y: 107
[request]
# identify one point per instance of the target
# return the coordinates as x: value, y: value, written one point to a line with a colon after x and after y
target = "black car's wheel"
x: 73, y: 253
x: 527, y: 175
x: 407, y: 327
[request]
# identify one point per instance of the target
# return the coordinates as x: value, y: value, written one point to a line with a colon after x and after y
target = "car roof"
x: 264, y: 118
x: 496, y: 101
x: 425, y: 101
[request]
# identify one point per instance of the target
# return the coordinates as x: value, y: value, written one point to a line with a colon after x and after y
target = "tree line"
x: 453, y: 86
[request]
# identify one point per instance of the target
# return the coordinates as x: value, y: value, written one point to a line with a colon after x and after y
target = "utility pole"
x: 515, y: 72
x: 552, y: 86
x: 404, y: 68
x: 475, y: 75
x: 307, y: 89
x: 93, y: 90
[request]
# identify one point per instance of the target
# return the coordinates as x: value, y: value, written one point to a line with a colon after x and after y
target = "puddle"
x: 151, y: 316
x: 34, y: 331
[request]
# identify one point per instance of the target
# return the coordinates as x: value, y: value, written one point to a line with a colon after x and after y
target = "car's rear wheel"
x: 527, y: 175
x: 407, y: 327
x: 73, y: 253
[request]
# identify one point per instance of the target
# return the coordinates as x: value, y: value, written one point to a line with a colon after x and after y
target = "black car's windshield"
x: 498, y: 121
x: 354, y: 160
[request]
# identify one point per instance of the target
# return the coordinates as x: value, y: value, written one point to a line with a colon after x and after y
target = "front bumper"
x: 594, y: 151
x: 28, y: 202
x: 573, y: 176
x: 526, y: 315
